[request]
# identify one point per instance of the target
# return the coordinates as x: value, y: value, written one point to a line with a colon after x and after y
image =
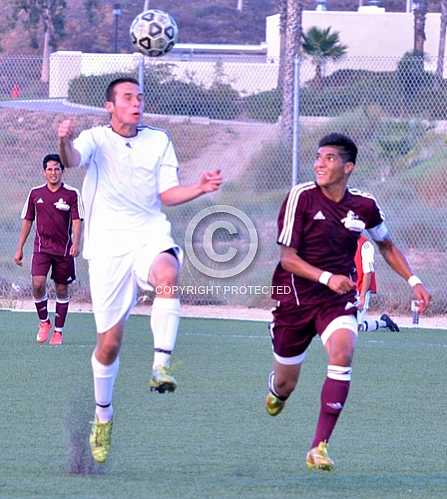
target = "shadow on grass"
x: 80, y: 461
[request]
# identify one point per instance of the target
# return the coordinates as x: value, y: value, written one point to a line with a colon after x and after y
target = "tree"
x: 442, y: 36
x: 420, y: 8
x: 48, y: 14
x: 321, y: 46
x: 292, y: 49
x: 91, y: 7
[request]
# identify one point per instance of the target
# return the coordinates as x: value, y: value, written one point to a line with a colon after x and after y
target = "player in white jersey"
x: 131, y: 173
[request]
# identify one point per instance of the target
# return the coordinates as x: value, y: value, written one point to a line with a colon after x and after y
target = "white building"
x: 369, y: 33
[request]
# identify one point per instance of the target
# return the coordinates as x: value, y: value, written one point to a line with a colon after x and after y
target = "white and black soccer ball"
x: 153, y: 33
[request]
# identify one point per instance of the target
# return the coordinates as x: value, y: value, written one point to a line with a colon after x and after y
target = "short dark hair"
x: 110, y: 92
x: 348, y: 148
x: 52, y: 157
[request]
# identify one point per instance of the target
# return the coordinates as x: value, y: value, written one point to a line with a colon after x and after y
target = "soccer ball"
x: 153, y: 33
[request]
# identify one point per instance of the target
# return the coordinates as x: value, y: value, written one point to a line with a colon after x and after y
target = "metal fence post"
x: 296, y: 118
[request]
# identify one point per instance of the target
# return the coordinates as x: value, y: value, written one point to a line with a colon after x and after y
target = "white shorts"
x: 114, y: 282
x: 341, y: 322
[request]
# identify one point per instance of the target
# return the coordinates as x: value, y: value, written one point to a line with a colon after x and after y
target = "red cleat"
x: 44, y: 330
x: 57, y: 338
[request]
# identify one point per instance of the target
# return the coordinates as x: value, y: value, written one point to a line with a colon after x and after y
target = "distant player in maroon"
x: 318, y: 227
x: 57, y: 210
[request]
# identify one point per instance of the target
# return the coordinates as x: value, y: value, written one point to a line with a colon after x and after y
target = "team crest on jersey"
x: 62, y: 205
x: 352, y: 222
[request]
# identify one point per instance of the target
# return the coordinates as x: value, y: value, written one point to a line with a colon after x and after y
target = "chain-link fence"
x: 227, y: 115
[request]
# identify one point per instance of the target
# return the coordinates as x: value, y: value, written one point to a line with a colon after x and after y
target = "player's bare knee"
x: 166, y: 277
x: 61, y: 291
x: 341, y: 358
x: 39, y: 292
x: 108, y: 352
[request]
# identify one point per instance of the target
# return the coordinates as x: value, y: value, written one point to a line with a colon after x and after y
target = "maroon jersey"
x: 324, y: 234
x: 53, y: 213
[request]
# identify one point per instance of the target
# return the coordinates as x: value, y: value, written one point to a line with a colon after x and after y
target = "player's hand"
x: 65, y: 129
x: 74, y: 250
x: 341, y: 284
x: 210, y: 181
x: 361, y: 302
x: 422, y: 296
x: 18, y: 258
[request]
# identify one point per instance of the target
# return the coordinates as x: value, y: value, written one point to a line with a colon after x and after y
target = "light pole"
x: 141, y: 61
x: 296, y: 120
x: 322, y: 5
x: 116, y: 13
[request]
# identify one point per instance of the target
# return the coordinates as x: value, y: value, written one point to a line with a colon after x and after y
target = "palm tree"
x: 292, y: 49
x: 420, y: 8
x: 321, y: 45
x: 282, y: 7
x: 441, y: 49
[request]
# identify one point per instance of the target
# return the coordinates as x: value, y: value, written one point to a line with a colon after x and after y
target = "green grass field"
x: 212, y: 438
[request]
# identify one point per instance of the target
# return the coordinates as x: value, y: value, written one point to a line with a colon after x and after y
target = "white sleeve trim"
x: 25, y: 206
x: 285, y: 237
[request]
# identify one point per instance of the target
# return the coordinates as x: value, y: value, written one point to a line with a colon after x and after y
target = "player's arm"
x: 75, y: 237
x: 366, y: 283
x: 69, y: 155
x: 291, y: 262
x: 23, y: 236
x: 208, y: 182
x: 397, y: 261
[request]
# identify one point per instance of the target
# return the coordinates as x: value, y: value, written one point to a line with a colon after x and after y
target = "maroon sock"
x: 61, y: 314
x: 42, y: 309
x: 333, y: 396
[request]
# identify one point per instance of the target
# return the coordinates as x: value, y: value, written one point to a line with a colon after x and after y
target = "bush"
x: 408, y: 91
x: 264, y: 106
x: 91, y: 90
x: 223, y: 102
x: 163, y: 94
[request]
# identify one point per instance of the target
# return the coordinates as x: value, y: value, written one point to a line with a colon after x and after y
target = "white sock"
x: 165, y: 318
x: 104, y: 379
x: 370, y: 325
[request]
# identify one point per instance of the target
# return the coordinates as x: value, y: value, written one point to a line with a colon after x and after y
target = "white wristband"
x: 413, y: 280
x: 324, y: 277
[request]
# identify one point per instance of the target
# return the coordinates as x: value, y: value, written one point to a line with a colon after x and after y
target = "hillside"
x: 89, y: 24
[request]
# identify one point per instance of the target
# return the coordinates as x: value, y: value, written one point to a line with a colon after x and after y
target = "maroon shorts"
x: 62, y: 267
x: 294, y: 326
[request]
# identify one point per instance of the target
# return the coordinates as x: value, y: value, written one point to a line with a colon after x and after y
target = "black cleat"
x: 390, y: 324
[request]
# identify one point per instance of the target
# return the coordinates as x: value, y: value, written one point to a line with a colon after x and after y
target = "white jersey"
x: 122, y: 186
